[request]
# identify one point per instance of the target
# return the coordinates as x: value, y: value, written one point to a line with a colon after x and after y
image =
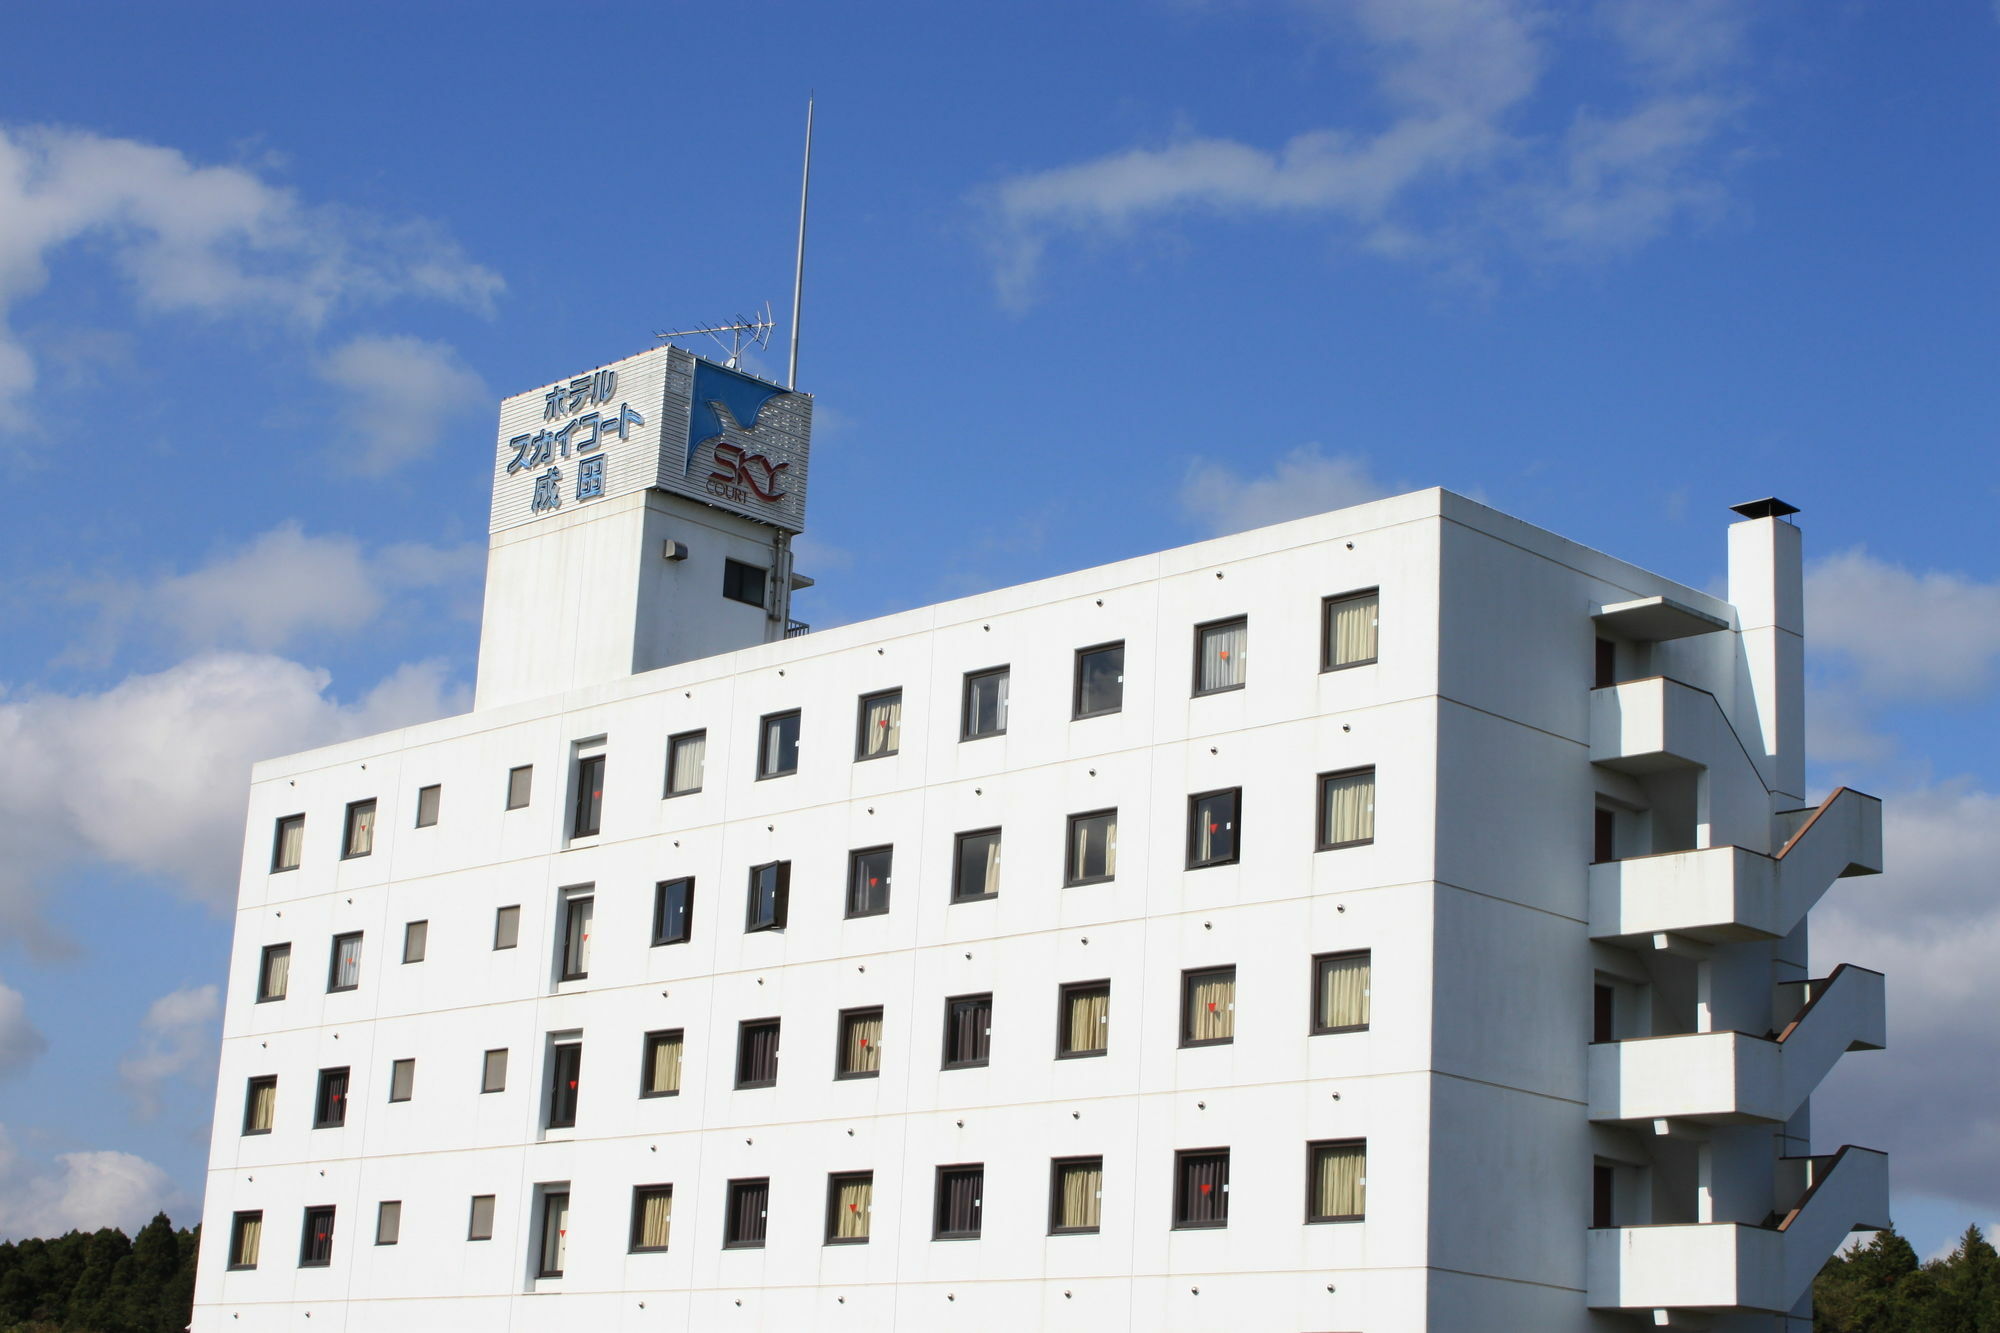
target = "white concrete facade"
x: 1520, y: 1175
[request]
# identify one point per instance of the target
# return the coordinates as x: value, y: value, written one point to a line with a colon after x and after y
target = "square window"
x: 1093, y: 848
x: 850, y: 1206
x: 1076, y: 1195
x: 1221, y: 654
x: 1208, y: 1006
x: 984, y: 711
x: 757, y: 1053
x: 520, y: 786
x: 860, y: 1053
x: 260, y: 1104
x: 330, y: 1103
x: 343, y: 968
x: 479, y: 1221
x: 1083, y: 1020
x: 1348, y: 630
x: 744, y: 583
x: 868, y: 881
x: 960, y: 1195
x: 388, y: 1222
x: 359, y: 836
x: 1337, y: 1181
x: 744, y: 1220
x: 1201, y: 1188
x: 507, y: 927
x: 288, y: 843
x: 554, y: 1249
x: 976, y: 866
x: 1213, y: 828
x: 587, y: 805
x: 687, y: 759
x: 968, y: 1031
x: 402, y: 1080
x: 652, y: 1218
x: 769, y: 897
x: 881, y: 725
x: 1341, y: 991
x: 246, y: 1238
x: 660, y: 1064
x: 778, y: 745
x: 274, y: 972
x: 673, y: 911
x: 1100, y: 680
x: 579, y: 910
x: 1346, y: 808
x: 416, y: 940
x: 427, y: 805
x: 565, y: 1074
x: 316, y: 1238
x: 493, y: 1071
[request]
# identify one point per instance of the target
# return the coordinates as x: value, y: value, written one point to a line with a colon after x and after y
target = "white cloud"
x: 204, y: 240
x: 176, y: 1037
x: 403, y: 393
x: 1905, y: 635
x: 20, y: 1043
x: 79, y: 1191
x: 1221, y: 500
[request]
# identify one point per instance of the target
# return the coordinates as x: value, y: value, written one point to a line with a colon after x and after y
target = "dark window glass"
x: 565, y: 1072
x: 850, y: 1207
x: 743, y: 583
x: 687, y: 762
x: 260, y: 1104
x: 770, y: 895
x: 1603, y: 1194
x: 1093, y: 848
x: 246, y: 1239
x: 1076, y: 1195
x: 778, y: 745
x: 868, y: 881
x: 1100, y: 680
x: 1337, y: 1181
x: 985, y: 708
x: 288, y: 844
x: 652, y: 1218
x: 388, y: 1222
x: 578, y: 913
x: 757, y: 1053
x: 1201, y: 1188
x: 1213, y: 828
x: 274, y: 972
x: 1083, y: 1019
x: 479, y: 1219
x: 880, y: 728
x: 976, y: 866
x: 416, y: 940
x: 427, y: 805
x: 402, y: 1080
x: 1208, y: 1006
x: 587, y: 815
x: 960, y: 1193
x: 660, y: 1064
x: 673, y: 911
x: 860, y: 1053
x: 1604, y: 1013
x: 1607, y: 663
x: 1342, y: 991
x: 330, y: 1102
x: 520, y: 785
x: 1348, y: 630
x: 1346, y: 808
x: 555, y: 1233
x: 358, y: 839
x: 968, y: 1031
x: 743, y: 1225
x: 506, y: 927
x: 493, y: 1071
x: 1604, y: 835
x: 316, y: 1238
x: 343, y: 969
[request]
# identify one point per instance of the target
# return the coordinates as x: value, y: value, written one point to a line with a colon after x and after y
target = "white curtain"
x: 1096, y: 846
x: 864, y: 1045
x: 991, y: 880
x: 347, y: 963
x: 1352, y: 629
x: 665, y: 1074
x: 1344, y: 992
x: 249, y: 1240
x: 1082, y: 1195
x: 1212, y: 1008
x: 582, y: 911
x: 851, y: 1209
x: 1349, y: 813
x: 361, y: 831
x: 883, y: 726
x: 656, y: 1216
x: 1090, y: 1021
x: 1223, y: 653
x: 555, y: 1232
x: 689, y: 759
x: 1341, y: 1185
x: 1000, y: 703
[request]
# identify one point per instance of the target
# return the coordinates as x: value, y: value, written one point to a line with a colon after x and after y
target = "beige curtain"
x: 851, y: 1209
x: 1224, y: 652
x: 1340, y: 1188
x: 1344, y: 992
x: 992, y: 881
x: 249, y: 1240
x: 361, y: 832
x: 278, y: 974
x: 1212, y: 1002
x: 656, y: 1216
x: 665, y: 1075
x: 884, y: 726
x: 864, y: 1045
x: 1350, y: 808
x: 1353, y: 631
x: 1090, y: 1021
x: 1083, y: 1195
x: 690, y: 756
x: 291, y: 842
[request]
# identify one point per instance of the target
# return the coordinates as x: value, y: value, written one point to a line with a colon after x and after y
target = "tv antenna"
x: 749, y: 330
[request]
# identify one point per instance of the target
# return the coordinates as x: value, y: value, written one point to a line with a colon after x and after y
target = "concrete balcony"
x: 1646, y: 726
x: 1732, y: 893
x: 1728, y: 1266
x: 1733, y: 1078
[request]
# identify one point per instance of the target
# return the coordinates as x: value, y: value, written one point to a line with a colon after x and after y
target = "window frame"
x: 781, y: 894
x: 390, y: 1222
x: 1184, y: 1158
x: 544, y: 1244
x: 237, y: 1223
x: 732, y: 583
x: 674, y: 743
x: 407, y: 1082
x: 486, y: 1083
x: 835, y: 1182
x: 1236, y: 838
x: 309, y: 1253
x: 744, y: 1027
x: 842, y: 1021
x: 661, y: 892
x: 1190, y: 977
x: 1195, y: 691
x: 1320, y: 829
x: 572, y: 945
x: 1319, y: 962
x: 861, y: 754
x: 351, y: 822
x: 250, y: 1087
x: 951, y: 1004
x: 1057, y: 1166
x: 958, y: 895
x: 648, y: 1044
x: 434, y: 793
x: 945, y: 1174
x: 264, y: 957
x: 472, y: 1232
x: 333, y: 962
x: 500, y: 915
x: 732, y: 1214
x: 855, y: 860
x: 764, y: 757
x: 559, y: 1111
x: 278, y: 827
x: 528, y: 796
x: 419, y: 932
x: 1326, y: 605
x: 333, y: 1086
x: 1076, y: 709
x: 1064, y: 994
x: 1313, y: 1150
x: 587, y: 803
x: 965, y: 711
x: 1069, y: 847
x: 638, y: 1229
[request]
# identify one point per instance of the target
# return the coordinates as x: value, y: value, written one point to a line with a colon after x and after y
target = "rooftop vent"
x: 1768, y: 507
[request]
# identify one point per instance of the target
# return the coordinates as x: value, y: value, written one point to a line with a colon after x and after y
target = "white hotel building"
x: 1389, y: 920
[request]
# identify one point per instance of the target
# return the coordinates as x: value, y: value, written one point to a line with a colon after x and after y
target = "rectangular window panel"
x: 1100, y: 680
x: 316, y: 1238
x: 757, y: 1053
x: 416, y: 940
x: 520, y: 785
x: 687, y: 758
x: 343, y: 970
x: 770, y: 893
x: 427, y: 805
x: 359, y: 838
x: 673, y: 911
x: 1337, y: 1177
x: 860, y: 1054
x: 555, y: 1233
x: 1221, y: 652
x: 1348, y: 630
x: 578, y: 913
x: 850, y: 1206
x: 1208, y: 1006
x: 1076, y: 1195
x: 1213, y: 819
x: 274, y: 972
x: 743, y: 583
x: 479, y: 1223
x: 1084, y: 1019
x: 246, y: 1239
x: 881, y: 725
x: 587, y: 809
x: 660, y: 1065
x: 652, y: 1217
x: 976, y: 866
x: 388, y: 1222
x: 288, y: 843
x: 868, y: 881
x: 402, y: 1080
x: 1093, y: 847
x: 1201, y: 1188
x: 330, y: 1103
x: 506, y: 927
x: 565, y: 1073
x: 984, y: 712
x: 1341, y: 990
x: 968, y: 1031
x: 1604, y: 835
x: 744, y: 1222
x: 1346, y: 808
x: 260, y: 1104
x: 778, y: 745
x: 960, y: 1197
x: 493, y: 1072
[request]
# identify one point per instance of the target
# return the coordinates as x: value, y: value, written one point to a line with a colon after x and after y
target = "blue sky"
x: 1086, y: 281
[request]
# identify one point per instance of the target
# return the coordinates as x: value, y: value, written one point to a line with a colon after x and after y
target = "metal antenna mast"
x: 799, y: 272
x: 756, y: 331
